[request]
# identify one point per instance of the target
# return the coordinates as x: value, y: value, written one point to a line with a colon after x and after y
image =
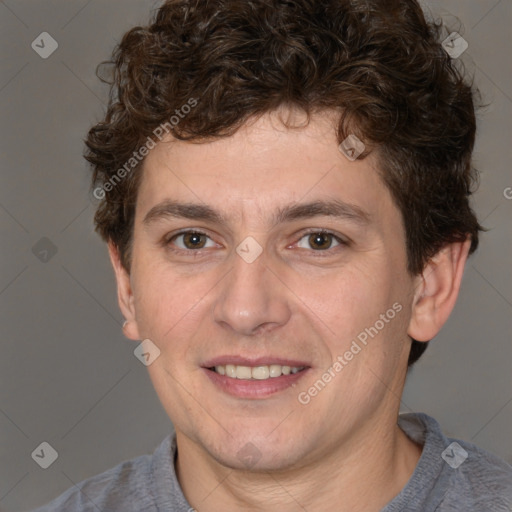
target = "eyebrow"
x: 326, y: 208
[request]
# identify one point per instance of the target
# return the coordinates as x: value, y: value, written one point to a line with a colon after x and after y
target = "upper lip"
x: 256, y: 361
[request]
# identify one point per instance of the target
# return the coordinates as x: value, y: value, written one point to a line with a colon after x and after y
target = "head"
x: 226, y: 118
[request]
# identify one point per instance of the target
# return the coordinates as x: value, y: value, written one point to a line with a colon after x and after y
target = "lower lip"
x: 245, y: 388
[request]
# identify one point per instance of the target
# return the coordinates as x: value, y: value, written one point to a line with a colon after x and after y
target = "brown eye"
x: 318, y: 241
x: 194, y: 240
x: 191, y: 240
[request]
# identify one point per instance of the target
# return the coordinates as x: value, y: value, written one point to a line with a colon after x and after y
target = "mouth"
x: 263, y: 372
x: 254, y: 379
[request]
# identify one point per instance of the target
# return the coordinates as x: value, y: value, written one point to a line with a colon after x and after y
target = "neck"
x: 360, y: 475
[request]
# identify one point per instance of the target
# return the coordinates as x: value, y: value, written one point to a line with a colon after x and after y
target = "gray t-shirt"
x: 450, y: 476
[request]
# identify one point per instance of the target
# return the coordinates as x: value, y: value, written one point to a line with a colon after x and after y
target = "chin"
x: 256, y: 452
x: 253, y: 460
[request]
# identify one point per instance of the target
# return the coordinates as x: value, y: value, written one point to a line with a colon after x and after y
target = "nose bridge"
x: 251, y: 296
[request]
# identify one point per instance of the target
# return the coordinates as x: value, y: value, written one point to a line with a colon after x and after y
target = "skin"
x: 343, y: 450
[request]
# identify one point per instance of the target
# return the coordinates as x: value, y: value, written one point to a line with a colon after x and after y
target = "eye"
x: 319, y: 241
x: 191, y: 240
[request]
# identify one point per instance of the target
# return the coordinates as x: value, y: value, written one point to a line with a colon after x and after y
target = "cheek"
x: 347, y: 297
x: 165, y: 302
x: 364, y: 303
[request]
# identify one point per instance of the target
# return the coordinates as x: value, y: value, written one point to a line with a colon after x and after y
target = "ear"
x: 124, y: 294
x: 436, y: 291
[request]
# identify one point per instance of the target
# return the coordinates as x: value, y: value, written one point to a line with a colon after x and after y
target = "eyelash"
x: 197, y: 252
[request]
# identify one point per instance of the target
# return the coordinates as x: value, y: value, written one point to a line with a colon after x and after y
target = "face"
x: 272, y: 257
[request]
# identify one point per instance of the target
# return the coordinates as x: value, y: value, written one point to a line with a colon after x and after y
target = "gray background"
x: 67, y: 374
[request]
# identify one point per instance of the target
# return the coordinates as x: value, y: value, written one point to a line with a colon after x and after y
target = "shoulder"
x: 485, y: 478
x: 127, y: 487
x: 464, y: 476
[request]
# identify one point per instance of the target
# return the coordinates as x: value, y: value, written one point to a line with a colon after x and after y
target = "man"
x: 284, y: 189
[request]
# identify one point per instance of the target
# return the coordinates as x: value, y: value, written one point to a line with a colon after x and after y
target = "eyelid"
x: 339, y: 238
x: 169, y: 238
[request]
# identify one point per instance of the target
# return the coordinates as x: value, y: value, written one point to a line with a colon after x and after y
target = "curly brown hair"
x: 380, y: 64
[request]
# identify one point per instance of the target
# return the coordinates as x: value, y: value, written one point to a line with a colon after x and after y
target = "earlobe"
x: 124, y: 294
x: 437, y: 290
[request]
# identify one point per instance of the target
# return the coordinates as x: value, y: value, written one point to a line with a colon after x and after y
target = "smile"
x: 256, y: 372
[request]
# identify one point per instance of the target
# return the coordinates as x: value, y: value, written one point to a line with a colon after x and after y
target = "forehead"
x: 260, y: 168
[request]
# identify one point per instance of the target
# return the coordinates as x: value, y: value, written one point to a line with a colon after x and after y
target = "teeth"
x: 243, y: 372
x: 231, y: 370
x: 256, y: 372
x: 260, y: 372
x: 275, y: 370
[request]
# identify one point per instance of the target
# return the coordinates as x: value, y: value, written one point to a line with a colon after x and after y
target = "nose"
x: 251, y: 299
